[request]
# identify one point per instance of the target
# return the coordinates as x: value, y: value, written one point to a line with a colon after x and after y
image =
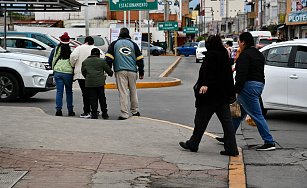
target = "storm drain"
x: 8, y: 178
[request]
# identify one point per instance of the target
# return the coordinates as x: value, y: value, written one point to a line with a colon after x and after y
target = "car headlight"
x: 34, y: 64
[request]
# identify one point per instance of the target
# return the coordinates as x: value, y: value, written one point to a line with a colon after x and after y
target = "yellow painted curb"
x: 170, y: 68
x: 174, y: 82
x: 236, y: 172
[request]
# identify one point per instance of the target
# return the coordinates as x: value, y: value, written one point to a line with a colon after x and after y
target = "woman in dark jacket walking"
x: 214, y: 91
x: 249, y: 86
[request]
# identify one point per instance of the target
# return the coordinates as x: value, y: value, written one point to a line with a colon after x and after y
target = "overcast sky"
x: 193, y: 3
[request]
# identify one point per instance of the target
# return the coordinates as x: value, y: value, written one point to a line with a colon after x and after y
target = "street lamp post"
x: 260, y: 14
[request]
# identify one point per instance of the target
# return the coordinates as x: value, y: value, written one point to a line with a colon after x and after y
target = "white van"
x: 257, y: 34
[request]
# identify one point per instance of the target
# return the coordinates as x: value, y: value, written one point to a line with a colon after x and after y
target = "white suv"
x: 23, y: 75
x: 285, y: 76
x: 99, y: 41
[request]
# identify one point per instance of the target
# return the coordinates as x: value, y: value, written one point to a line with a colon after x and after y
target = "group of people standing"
x: 88, y: 65
x: 215, y: 91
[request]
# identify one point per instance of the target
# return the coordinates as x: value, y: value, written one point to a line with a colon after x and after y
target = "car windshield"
x: 201, y: 44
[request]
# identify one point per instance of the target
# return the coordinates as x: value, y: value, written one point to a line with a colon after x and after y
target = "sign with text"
x: 190, y: 30
x: 120, y: 5
x: 168, y: 26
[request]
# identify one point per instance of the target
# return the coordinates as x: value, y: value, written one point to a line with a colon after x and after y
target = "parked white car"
x: 199, y: 51
x: 26, y: 45
x: 285, y: 76
x: 23, y: 75
x: 99, y: 41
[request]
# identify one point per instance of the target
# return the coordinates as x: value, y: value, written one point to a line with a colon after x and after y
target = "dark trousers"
x: 97, y: 94
x: 202, y: 118
x: 86, y: 102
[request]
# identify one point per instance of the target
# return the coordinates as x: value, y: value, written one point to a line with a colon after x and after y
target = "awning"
x: 40, y: 5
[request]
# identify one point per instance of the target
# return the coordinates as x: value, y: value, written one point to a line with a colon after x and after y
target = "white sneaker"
x: 85, y: 115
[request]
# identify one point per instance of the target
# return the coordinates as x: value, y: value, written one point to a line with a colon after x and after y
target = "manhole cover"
x: 8, y: 178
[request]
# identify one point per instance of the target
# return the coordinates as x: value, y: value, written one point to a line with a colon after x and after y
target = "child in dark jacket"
x: 93, y: 69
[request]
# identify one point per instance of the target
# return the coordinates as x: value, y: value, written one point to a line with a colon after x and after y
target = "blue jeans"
x: 61, y: 80
x: 249, y: 101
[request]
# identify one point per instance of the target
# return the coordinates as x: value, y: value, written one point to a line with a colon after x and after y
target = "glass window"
x: 201, y: 44
x: 9, y: 43
x: 279, y: 56
x: 301, y: 57
x: 98, y: 41
x: 44, y: 40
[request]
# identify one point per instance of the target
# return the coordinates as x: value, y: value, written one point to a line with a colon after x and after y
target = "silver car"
x: 154, y: 50
x: 26, y: 45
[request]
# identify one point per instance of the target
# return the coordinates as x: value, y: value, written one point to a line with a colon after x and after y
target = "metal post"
x: 4, y: 42
x: 260, y: 14
x: 148, y: 40
x: 86, y: 18
x: 125, y: 19
x: 140, y: 24
x: 129, y: 19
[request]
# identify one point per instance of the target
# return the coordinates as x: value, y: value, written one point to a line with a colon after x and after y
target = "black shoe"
x: 105, y: 115
x: 85, y: 115
x: 136, y: 114
x: 94, y: 117
x: 121, y: 118
x: 59, y: 113
x: 186, y: 146
x: 266, y: 147
x: 229, y: 154
x: 220, y: 140
x: 71, y: 113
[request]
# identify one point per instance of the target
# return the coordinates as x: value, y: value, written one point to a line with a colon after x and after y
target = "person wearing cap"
x: 127, y: 59
x: 93, y: 69
x: 63, y: 75
x: 76, y: 59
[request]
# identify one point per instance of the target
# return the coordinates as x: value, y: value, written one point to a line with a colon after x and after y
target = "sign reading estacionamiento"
x: 120, y: 5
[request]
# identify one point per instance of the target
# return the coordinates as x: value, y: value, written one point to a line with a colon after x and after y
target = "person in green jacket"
x: 63, y: 75
x: 93, y: 69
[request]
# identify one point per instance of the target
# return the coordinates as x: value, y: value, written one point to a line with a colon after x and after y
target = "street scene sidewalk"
x: 75, y: 152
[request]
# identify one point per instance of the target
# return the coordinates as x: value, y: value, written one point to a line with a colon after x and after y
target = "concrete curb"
x: 157, y: 84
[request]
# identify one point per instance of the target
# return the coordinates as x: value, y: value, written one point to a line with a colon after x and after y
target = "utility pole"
x: 260, y: 15
x: 87, y: 33
x: 166, y: 18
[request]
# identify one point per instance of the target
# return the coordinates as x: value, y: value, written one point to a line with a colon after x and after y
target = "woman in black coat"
x: 214, y: 91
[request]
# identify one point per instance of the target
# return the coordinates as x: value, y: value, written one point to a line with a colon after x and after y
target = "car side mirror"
x: 204, y: 53
x: 195, y: 46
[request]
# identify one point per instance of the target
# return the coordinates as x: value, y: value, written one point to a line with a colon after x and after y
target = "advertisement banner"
x: 297, y: 12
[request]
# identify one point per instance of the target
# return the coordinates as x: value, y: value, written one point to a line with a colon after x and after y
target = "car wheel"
x: 9, y: 87
x: 155, y: 53
x: 186, y: 55
x: 197, y: 60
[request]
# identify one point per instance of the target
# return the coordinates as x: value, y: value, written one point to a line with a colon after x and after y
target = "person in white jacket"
x: 76, y: 59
